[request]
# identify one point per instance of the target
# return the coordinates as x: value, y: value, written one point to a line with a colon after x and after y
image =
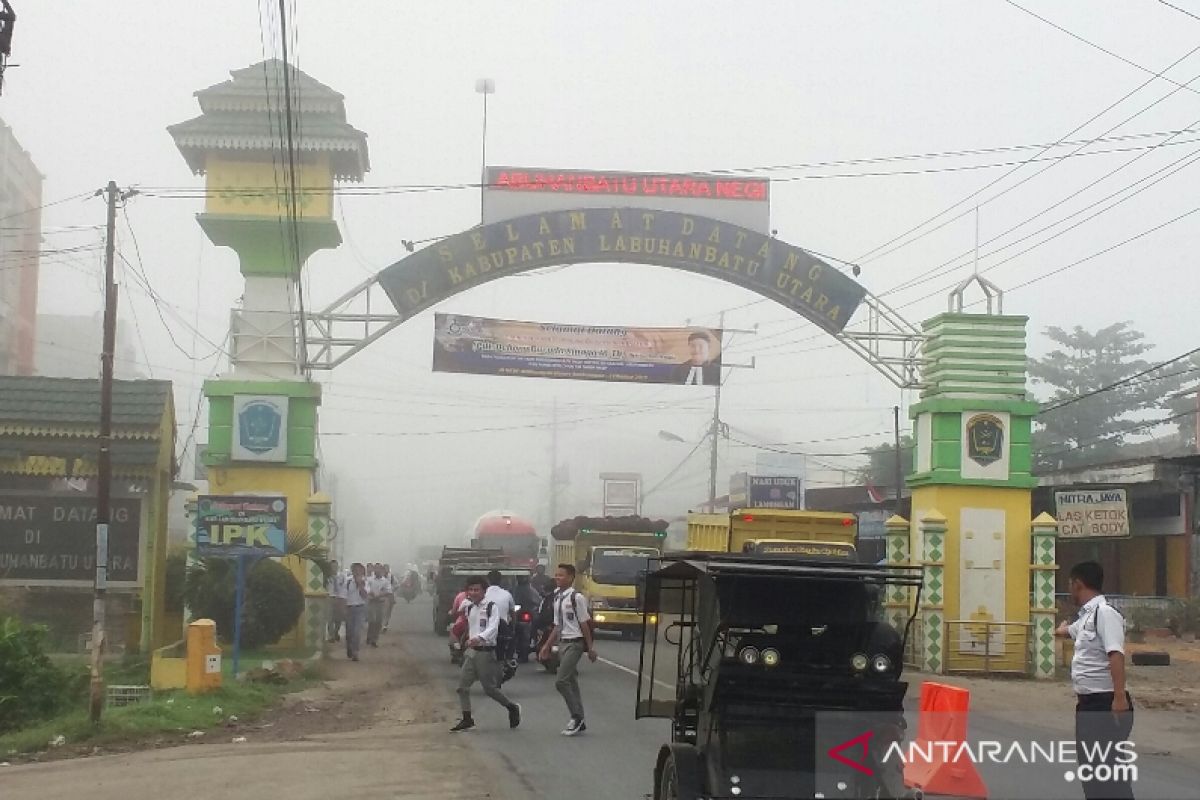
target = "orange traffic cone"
x: 941, y: 727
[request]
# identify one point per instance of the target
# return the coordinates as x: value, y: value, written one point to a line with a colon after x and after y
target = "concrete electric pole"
x: 104, y: 461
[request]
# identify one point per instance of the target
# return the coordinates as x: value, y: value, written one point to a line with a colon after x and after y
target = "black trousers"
x: 1097, y: 731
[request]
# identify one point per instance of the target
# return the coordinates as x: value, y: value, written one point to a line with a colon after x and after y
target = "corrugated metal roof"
x: 37, y: 403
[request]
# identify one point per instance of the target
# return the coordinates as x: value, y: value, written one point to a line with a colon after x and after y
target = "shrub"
x: 1142, y: 618
x: 31, y: 687
x: 1184, y: 616
x: 273, y: 602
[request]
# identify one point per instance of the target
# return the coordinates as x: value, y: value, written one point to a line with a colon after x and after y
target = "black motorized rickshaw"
x: 774, y: 663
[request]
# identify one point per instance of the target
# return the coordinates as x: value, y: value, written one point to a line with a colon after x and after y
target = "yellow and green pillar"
x: 269, y: 199
x: 971, y: 485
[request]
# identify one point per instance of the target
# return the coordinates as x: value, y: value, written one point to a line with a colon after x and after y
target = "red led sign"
x: 629, y: 184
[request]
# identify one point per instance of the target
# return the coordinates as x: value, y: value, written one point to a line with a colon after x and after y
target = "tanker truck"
x: 611, y: 555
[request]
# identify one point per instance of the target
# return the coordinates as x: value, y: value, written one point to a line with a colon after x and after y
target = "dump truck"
x: 610, y: 555
x: 455, y: 566
x: 768, y: 668
x: 778, y: 532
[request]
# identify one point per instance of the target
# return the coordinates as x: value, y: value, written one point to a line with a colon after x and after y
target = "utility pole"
x: 899, y: 460
x: 716, y: 435
x: 104, y: 463
x: 717, y: 425
x: 554, y: 464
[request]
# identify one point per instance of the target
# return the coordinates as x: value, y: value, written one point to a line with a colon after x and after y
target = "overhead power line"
x: 1101, y: 48
x: 1154, y: 423
x: 1180, y: 10
x: 678, y: 466
x: 896, y: 243
x: 1154, y: 178
x: 1125, y: 381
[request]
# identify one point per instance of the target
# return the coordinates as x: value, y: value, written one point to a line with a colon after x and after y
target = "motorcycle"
x: 409, y: 588
x: 523, y: 641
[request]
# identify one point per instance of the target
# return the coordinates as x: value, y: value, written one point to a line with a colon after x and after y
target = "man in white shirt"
x: 1103, y: 709
x: 337, y: 603
x: 389, y: 595
x: 505, y: 604
x: 377, y: 586
x: 356, y: 592
x: 573, y: 633
x: 479, y: 659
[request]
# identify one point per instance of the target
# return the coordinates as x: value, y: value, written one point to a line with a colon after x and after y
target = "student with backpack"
x: 573, y: 633
x: 479, y: 659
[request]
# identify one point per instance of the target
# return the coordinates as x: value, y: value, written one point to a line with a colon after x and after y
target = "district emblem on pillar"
x: 260, y: 428
x: 985, y: 439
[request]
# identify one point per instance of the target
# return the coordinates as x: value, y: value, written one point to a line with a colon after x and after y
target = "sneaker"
x: 464, y: 724
x: 514, y: 715
x: 574, y: 727
x: 354, y: 658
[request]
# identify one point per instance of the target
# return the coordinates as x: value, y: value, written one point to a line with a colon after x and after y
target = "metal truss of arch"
x: 877, y: 334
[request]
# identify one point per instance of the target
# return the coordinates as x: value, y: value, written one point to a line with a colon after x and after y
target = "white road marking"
x: 632, y: 672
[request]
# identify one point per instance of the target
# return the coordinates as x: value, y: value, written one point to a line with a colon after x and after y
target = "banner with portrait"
x: 483, y: 346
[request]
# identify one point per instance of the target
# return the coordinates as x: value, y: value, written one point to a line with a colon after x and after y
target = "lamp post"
x: 483, y: 86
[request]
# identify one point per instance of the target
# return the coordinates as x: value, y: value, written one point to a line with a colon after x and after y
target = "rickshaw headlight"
x: 770, y: 657
x: 859, y: 661
x: 748, y: 655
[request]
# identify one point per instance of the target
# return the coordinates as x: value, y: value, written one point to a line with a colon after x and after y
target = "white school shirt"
x: 568, y: 617
x: 336, y: 585
x: 1098, y: 630
x: 378, y: 587
x: 503, y: 600
x: 482, y: 625
x: 351, y: 593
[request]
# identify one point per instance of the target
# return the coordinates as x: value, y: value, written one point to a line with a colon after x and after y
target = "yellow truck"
x: 608, y: 566
x: 820, y: 535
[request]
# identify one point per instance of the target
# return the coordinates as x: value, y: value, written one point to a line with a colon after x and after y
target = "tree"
x: 1088, y: 419
x: 880, y: 469
x: 1184, y: 405
x: 272, y: 607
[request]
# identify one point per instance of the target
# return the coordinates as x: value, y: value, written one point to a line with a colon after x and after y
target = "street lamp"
x: 667, y: 436
x: 484, y: 86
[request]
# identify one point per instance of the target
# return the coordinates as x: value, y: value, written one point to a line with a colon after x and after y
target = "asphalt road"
x: 406, y: 750
x: 615, y: 757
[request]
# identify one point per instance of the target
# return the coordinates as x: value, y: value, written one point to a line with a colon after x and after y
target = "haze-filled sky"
x: 663, y: 86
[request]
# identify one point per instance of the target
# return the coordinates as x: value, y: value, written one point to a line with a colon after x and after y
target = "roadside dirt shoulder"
x: 379, y: 724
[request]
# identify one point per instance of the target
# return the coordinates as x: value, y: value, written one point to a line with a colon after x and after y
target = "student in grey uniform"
x: 479, y: 659
x: 573, y: 634
x: 335, y: 588
x: 1104, y: 708
x: 356, y: 593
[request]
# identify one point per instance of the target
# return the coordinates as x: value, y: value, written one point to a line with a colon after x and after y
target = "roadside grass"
x: 167, y: 713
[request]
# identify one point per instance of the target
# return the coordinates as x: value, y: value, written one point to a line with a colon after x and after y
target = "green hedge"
x: 32, y: 688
